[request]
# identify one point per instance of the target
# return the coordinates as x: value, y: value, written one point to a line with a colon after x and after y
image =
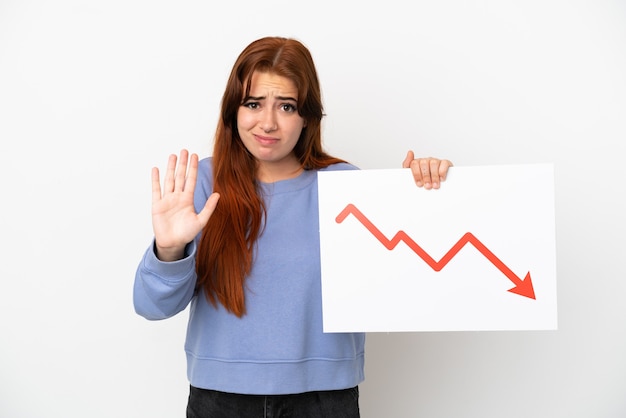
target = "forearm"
x: 163, y: 289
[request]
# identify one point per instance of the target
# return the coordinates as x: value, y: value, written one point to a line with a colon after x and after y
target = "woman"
x: 237, y: 237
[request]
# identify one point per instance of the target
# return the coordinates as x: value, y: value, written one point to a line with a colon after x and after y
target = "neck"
x: 271, y: 174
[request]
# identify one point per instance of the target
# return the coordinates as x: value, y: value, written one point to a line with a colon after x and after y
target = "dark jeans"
x: 325, y: 404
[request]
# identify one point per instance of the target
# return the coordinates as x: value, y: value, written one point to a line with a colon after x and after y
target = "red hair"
x: 226, y: 248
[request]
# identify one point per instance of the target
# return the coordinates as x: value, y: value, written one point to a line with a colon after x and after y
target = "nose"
x: 268, y: 121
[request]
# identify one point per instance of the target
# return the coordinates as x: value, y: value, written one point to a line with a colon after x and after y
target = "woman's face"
x: 269, y: 125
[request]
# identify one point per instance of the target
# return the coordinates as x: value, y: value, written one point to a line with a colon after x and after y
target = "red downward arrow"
x: 522, y: 287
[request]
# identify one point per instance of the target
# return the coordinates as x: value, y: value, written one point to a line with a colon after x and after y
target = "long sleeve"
x: 163, y: 289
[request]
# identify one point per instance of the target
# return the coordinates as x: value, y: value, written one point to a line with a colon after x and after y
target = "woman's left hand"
x: 427, y: 172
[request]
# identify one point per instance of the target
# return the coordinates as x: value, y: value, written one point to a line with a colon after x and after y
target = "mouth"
x: 266, y: 140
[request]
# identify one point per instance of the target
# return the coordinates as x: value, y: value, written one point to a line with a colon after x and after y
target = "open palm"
x: 174, y: 218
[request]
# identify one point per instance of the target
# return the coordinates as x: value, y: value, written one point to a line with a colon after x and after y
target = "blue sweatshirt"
x: 278, y: 346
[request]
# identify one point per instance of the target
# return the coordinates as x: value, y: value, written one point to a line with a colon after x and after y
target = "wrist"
x: 169, y: 254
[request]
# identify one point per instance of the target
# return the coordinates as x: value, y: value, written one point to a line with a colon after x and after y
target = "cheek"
x: 296, y: 127
x: 245, y: 121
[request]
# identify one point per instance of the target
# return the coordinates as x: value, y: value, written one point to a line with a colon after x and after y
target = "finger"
x: 168, y: 183
x: 181, y: 172
x: 443, y: 169
x: 192, y: 175
x: 156, y: 185
x: 417, y: 172
x: 434, y: 172
x: 424, y: 167
x: 407, y: 160
x: 208, y: 208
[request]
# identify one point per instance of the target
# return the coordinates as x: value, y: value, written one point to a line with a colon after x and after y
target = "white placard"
x: 477, y: 254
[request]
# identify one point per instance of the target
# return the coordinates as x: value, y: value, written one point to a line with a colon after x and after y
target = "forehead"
x: 266, y: 83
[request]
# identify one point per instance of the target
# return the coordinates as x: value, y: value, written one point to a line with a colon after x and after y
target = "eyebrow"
x: 277, y: 97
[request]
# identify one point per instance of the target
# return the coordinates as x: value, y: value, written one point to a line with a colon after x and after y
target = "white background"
x: 93, y: 94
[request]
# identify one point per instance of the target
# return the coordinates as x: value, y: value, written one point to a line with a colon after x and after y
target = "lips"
x: 265, y: 140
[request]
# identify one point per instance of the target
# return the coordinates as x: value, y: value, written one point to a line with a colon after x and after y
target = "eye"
x: 251, y: 105
x: 288, y: 107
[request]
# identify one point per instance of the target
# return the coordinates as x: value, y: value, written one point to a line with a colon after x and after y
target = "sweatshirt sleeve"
x: 163, y: 289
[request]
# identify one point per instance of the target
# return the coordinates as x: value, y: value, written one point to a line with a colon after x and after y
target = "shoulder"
x: 205, y: 164
x: 340, y: 167
x: 205, y: 170
x: 204, y: 180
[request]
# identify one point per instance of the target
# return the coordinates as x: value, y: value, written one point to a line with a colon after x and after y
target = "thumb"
x: 208, y: 208
x: 407, y: 161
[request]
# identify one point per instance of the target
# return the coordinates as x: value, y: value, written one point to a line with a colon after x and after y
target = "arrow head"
x: 525, y: 288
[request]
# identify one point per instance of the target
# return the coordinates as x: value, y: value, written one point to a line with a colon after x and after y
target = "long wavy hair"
x: 226, y: 249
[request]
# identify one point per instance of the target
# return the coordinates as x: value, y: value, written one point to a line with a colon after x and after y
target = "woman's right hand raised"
x: 174, y: 218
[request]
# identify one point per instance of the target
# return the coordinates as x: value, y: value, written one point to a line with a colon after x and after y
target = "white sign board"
x: 477, y: 254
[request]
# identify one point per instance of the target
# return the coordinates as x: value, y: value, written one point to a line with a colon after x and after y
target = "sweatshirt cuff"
x: 173, y: 270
